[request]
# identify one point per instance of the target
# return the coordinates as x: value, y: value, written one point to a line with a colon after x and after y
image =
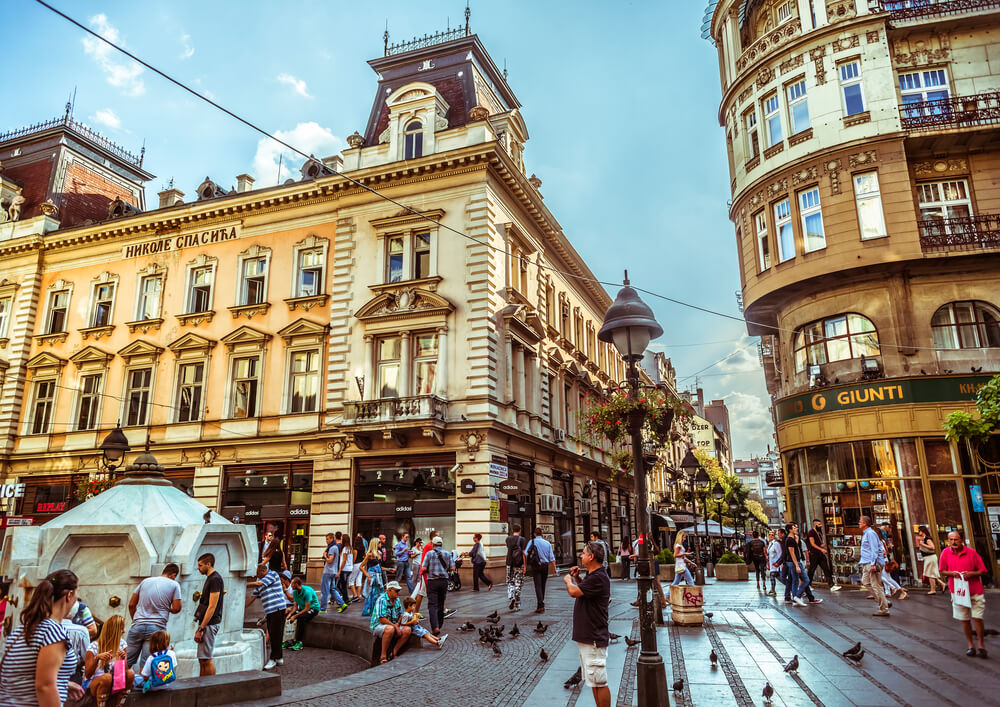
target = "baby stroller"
x: 454, y: 581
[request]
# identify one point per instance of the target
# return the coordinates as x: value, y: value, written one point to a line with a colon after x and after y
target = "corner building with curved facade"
x: 864, y: 154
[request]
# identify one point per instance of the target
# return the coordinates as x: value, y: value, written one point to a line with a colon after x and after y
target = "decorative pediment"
x: 573, y: 369
x: 311, y: 241
x: 522, y: 321
x: 57, y: 285
x: 303, y: 329
x: 247, y: 337
x: 404, y: 302
x: 90, y: 355
x: 191, y: 342
x: 7, y: 287
x: 555, y: 357
x: 45, y: 360
x: 104, y: 277
x: 255, y: 251
x: 140, y: 349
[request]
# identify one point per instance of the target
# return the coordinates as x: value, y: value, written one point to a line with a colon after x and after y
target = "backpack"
x: 514, y: 552
x: 534, y: 565
x: 757, y: 548
x: 162, y: 671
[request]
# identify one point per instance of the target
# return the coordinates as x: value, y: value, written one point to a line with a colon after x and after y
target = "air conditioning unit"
x: 550, y: 503
x: 585, y: 506
x: 623, y: 511
x: 560, y: 435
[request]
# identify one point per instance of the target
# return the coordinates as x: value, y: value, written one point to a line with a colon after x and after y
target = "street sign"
x: 15, y: 521
x: 509, y: 487
x: 498, y: 467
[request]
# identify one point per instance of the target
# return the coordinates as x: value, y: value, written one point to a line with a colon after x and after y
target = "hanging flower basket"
x: 662, y: 415
x: 93, y: 485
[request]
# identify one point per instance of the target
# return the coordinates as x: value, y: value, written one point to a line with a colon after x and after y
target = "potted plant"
x: 731, y: 568
x: 614, y: 567
x: 666, y: 558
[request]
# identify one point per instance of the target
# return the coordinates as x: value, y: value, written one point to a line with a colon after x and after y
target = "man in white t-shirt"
x: 150, y: 607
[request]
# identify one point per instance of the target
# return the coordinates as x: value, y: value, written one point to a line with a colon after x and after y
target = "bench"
x: 210, y: 690
x: 347, y: 636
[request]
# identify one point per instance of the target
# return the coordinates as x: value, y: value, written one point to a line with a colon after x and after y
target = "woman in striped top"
x: 40, y: 659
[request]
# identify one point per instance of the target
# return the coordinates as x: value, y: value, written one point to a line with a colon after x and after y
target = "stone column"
x: 535, y: 396
x: 519, y: 387
x: 556, y: 397
x: 369, y: 363
x: 510, y: 413
x: 405, y: 364
x: 441, y: 374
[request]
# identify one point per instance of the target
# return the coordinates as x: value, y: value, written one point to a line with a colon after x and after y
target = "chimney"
x: 244, y: 183
x: 334, y: 163
x: 170, y: 197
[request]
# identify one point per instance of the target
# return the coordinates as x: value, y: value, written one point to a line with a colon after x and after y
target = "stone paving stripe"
x: 627, y: 686
x: 782, y: 661
x: 677, y: 669
x: 735, y: 682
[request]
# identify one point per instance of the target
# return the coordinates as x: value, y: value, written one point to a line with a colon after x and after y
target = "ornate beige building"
x: 311, y: 357
x: 863, y: 149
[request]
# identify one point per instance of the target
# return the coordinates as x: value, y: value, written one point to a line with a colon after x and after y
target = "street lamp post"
x: 696, y: 476
x: 629, y: 324
x: 113, y: 449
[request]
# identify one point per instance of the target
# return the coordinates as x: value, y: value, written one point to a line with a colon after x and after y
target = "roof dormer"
x: 416, y: 112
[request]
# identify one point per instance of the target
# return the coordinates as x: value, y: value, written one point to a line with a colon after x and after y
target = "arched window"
x: 413, y: 140
x: 838, y: 338
x: 971, y: 324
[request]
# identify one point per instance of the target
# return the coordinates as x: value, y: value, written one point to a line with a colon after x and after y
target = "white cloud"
x: 122, y: 74
x: 298, y: 84
x: 310, y: 138
x: 187, y: 50
x: 107, y: 118
x: 751, y: 423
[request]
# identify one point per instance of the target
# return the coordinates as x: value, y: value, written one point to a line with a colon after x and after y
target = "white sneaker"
x: 280, y: 661
x: 835, y: 588
x: 799, y: 601
x: 269, y: 664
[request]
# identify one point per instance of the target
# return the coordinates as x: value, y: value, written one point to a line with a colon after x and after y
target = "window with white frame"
x: 763, y: 245
x: 389, y: 353
x: 150, y: 293
x: 871, y: 220
x: 772, y: 119
x: 798, y: 107
x: 138, y: 384
x: 919, y: 87
x: 752, y: 134
x: 783, y: 226
x: 190, y: 391
x: 970, y: 324
x: 421, y: 255
x: 413, y: 140
x: 200, y: 281
x: 550, y: 304
x: 837, y: 338
x: 850, y: 87
x: 88, y: 402
x: 813, y: 237
x: 394, y: 252
x: 425, y: 356
x: 941, y: 202
x: 253, y: 281
x: 5, y: 307
x: 408, y: 257
x: 245, y: 386
x: 43, y: 397
x: 518, y: 262
x: 104, y: 298
x: 309, y: 278
x: 783, y: 12
x: 304, y: 381
x: 58, y: 306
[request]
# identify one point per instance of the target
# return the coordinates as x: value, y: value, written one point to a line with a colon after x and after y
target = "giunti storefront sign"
x: 878, y: 393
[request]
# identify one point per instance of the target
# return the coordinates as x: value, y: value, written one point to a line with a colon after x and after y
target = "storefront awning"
x: 713, y: 529
x: 660, y: 523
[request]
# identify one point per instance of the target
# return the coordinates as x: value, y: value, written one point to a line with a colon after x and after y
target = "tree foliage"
x: 960, y: 425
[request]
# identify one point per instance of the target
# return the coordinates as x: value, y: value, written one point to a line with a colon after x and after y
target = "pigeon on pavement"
x: 678, y: 685
x: 856, y: 657
x: 515, y: 631
x: 632, y: 642
x: 467, y: 626
x: 613, y: 637
x: 793, y: 665
x: 496, y: 649
x: 768, y: 692
x: 574, y: 680
x: 543, y: 655
x: 714, y: 658
x: 853, y: 649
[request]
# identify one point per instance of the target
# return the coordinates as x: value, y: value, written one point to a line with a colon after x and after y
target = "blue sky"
x: 620, y: 100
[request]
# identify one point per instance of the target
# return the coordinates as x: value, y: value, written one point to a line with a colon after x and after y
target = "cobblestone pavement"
x: 915, y: 658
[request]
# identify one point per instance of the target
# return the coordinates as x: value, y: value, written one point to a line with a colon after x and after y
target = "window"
x: 104, y: 296
x: 550, y: 304
x: 425, y: 363
x: 838, y: 338
x: 772, y: 118
x: 389, y: 356
x: 850, y: 87
x: 921, y: 86
x: 813, y: 237
x: 798, y: 107
x: 563, y: 316
x: 309, y: 281
x: 394, y: 261
x: 421, y: 255
x: 413, y: 140
x: 966, y: 325
x: 786, y: 236
x: 941, y: 202
x: 90, y: 394
x: 190, y: 388
x: 200, y: 289
x: 58, y: 303
x: 245, y: 386
x: 752, y: 134
x: 763, y: 247
x: 150, y: 290
x: 253, y: 285
x: 408, y: 257
x: 5, y: 305
x: 304, y: 381
x: 43, y: 398
x: 783, y: 12
x: 137, y: 389
x: 869, y: 201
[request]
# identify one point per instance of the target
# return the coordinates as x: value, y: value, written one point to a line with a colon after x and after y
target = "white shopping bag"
x: 960, y: 592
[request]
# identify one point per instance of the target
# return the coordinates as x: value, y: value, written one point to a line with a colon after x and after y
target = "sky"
x: 620, y: 100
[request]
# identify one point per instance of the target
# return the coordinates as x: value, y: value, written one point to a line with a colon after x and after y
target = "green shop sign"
x: 899, y: 391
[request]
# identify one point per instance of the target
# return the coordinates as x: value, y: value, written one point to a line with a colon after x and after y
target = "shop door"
x: 297, y: 545
x: 276, y: 526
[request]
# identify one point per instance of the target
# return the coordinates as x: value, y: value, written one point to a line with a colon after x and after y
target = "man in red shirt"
x: 962, y: 561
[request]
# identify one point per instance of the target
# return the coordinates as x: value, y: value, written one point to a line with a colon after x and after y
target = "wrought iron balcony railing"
x: 967, y: 233
x: 955, y: 112
x: 774, y: 477
x: 83, y: 130
x: 900, y: 10
x: 420, y: 407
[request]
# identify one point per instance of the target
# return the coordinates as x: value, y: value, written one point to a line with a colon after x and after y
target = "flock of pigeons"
x: 492, y: 634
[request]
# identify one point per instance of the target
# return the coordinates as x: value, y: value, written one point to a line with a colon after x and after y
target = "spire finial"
x: 468, y: 12
x: 385, y: 37
x: 142, y: 152
x: 626, y: 278
x: 505, y: 68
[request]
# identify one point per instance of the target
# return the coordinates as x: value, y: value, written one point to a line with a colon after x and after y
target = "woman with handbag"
x: 372, y: 570
x: 928, y: 554
x: 625, y: 555
x: 891, y: 585
x: 108, y: 678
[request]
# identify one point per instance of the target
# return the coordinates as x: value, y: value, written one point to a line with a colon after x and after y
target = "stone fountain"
x: 131, y: 531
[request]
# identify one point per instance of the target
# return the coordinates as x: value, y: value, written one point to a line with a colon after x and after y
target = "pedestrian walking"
x: 39, y: 660
x: 539, y: 562
x: 208, y: 614
x: 386, y: 625
x: 420, y: 591
x: 436, y: 564
x: 371, y: 568
x: 965, y: 569
x: 268, y: 589
x: 274, y: 555
x: 346, y: 564
x: 795, y: 566
x: 331, y: 573
x: 515, y: 567
x: 590, y: 619
x: 402, y: 552
x: 99, y: 666
x: 872, y: 561
x: 888, y: 578
x: 819, y: 556
x: 757, y: 549
x: 478, y: 556
x: 773, y: 561
x: 357, y: 578
x: 927, y: 553
x: 265, y: 542
x: 306, y: 609
x: 681, y: 560
x: 150, y: 606
x: 595, y: 538
x: 625, y: 556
